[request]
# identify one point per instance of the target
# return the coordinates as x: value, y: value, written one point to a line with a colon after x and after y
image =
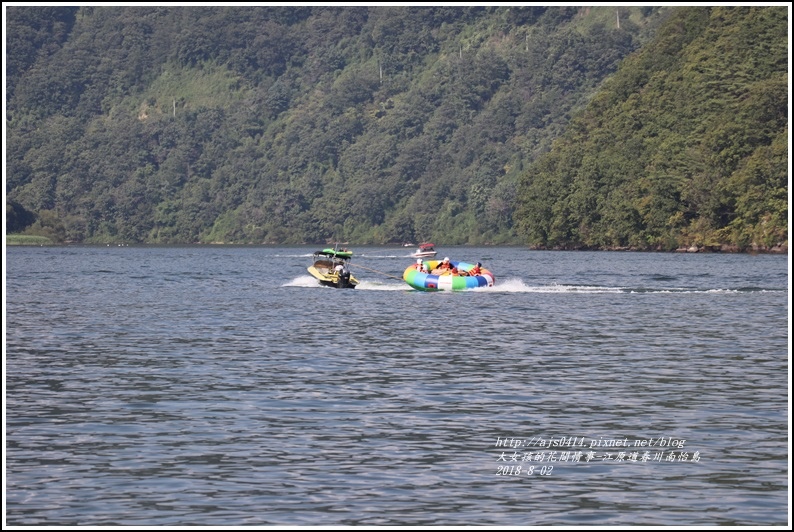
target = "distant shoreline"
x: 31, y: 240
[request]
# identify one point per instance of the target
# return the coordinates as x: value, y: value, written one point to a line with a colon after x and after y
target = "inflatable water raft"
x: 447, y: 281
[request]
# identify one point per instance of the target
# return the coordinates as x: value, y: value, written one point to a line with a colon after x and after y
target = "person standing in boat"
x: 342, y: 275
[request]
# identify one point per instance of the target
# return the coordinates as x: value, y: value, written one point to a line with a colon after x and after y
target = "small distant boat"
x: 331, y: 268
x: 461, y: 276
x: 425, y: 249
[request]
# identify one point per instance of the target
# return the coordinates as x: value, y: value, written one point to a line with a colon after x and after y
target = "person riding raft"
x: 445, y: 267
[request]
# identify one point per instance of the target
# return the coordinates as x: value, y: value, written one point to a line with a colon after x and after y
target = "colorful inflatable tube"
x: 446, y: 281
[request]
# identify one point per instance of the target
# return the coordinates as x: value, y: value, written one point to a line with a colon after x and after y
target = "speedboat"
x: 331, y: 268
x: 425, y: 249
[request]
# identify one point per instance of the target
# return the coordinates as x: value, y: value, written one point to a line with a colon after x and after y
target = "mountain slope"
x: 377, y: 124
x: 391, y: 124
x: 685, y: 146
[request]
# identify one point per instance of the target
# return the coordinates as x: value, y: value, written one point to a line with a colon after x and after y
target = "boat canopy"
x: 335, y: 254
x: 426, y: 246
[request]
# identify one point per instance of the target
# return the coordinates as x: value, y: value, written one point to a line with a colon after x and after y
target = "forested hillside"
x: 394, y: 124
x: 302, y: 124
x: 686, y: 146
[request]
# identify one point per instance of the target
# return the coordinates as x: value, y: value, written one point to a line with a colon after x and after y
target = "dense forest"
x: 685, y: 146
x: 556, y: 127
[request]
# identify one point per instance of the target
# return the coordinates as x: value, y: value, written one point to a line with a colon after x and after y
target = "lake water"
x: 222, y: 386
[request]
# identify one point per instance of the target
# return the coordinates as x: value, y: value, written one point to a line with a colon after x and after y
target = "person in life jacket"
x: 445, y: 268
x: 420, y: 266
x: 477, y: 270
x: 445, y: 264
x: 342, y: 275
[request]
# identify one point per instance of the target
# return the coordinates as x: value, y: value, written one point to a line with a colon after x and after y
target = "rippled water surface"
x: 224, y: 386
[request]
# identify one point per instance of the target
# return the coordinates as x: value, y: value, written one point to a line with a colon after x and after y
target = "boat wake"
x: 293, y: 256
x: 516, y: 285
x: 380, y: 256
x: 304, y: 281
x: 307, y: 281
x: 383, y: 285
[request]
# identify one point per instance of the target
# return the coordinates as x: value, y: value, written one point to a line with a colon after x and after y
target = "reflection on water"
x: 216, y: 386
